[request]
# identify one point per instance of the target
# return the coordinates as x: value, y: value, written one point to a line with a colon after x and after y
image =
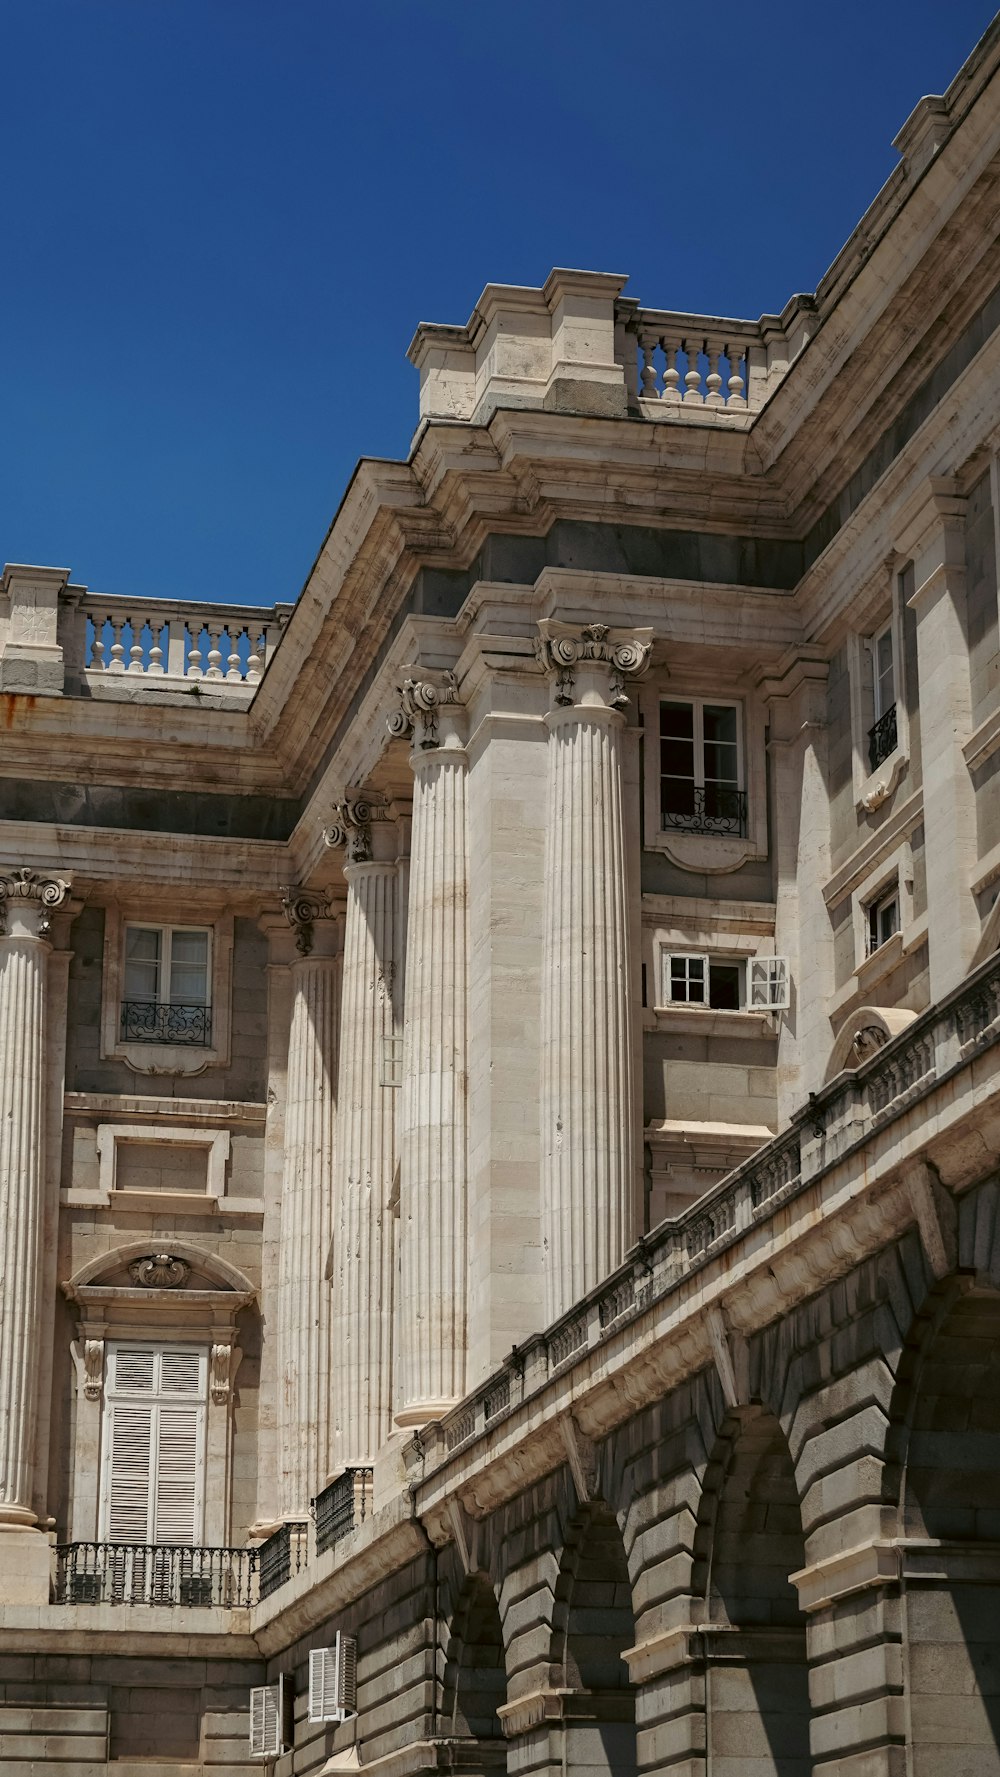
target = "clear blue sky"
x: 224, y: 218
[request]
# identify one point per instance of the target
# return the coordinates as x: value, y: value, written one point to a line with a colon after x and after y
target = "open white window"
x: 153, y: 1461
x: 725, y: 983
x: 333, y: 1683
x: 882, y: 917
x: 166, y: 985
x: 769, y: 983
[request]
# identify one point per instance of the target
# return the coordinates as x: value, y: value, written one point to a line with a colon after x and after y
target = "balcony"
x: 163, y: 1574
x: 712, y: 808
x: 341, y: 1507
x: 154, y: 1021
x: 882, y: 738
x: 283, y: 1554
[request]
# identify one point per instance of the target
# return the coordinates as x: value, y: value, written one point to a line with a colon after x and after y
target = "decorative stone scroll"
x: 561, y: 649
x: 223, y: 1365
x: 44, y: 893
x: 302, y: 908
x: 160, y: 1271
x: 93, y: 1369
x: 419, y: 703
x: 351, y: 827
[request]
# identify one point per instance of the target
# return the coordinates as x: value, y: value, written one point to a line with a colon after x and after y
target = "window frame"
x: 874, y: 786
x: 743, y: 962
x: 213, y: 916
x: 164, y: 961
x: 698, y: 705
x: 157, y: 1401
x: 888, y: 897
x: 711, y: 854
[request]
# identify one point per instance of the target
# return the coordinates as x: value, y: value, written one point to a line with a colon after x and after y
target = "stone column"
x: 304, y: 1381
x: 431, y: 1323
x: 27, y: 901
x: 933, y: 535
x: 588, y: 1109
x: 363, y: 1239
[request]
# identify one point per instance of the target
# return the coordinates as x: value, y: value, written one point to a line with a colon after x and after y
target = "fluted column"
x: 363, y: 1237
x: 434, y: 1117
x: 304, y: 1381
x: 587, y: 1073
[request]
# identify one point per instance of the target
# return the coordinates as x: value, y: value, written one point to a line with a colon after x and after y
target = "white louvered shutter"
x: 264, y: 1721
x: 333, y: 1680
x: 154, y: 1446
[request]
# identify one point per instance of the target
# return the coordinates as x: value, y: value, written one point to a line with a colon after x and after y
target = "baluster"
x: 155, y: 651
x: 117, y: 663
x: 257, y: 646
x: 736, y: 384
x: 671, y: 375
x: 98, y: 663
x: 135, y: 652
x: 214, y: 655
x: 713, y: 381
x: 235, y: 637
x: 692, y: 379
x: 194, y: 654
x: 649, y: 343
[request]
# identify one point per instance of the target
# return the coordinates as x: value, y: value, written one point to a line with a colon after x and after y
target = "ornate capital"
x: 302, y: 908
x: 45, y: 893
x: 562, y: 649
x: 351, y: 826
x: 419, y: 703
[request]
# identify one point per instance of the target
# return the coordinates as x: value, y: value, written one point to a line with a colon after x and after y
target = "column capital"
x: 29, y: 891
x: 351, y: 827
x: 303, y: 908
x: 604, y: 657
x: 423, y: 702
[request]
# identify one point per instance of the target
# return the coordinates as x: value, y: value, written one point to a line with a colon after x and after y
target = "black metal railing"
x: 882, y: 738
x: 712, y: 808
x: 153, y: 1021
x: 154, y: 1573
x: 341, y: 1507
x: 280, y: 1556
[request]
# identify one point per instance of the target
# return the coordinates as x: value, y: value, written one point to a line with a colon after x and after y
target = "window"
x: 882, y: 736
x: 392, y: 1062
x: 166, y: 997
x: 693, y: 978
x: 701, y: 767
x: 154, y: 1444
x: 883, y: 919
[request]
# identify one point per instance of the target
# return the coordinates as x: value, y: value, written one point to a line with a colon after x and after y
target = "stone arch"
x: 475, y: 1672
x: 748, y: 1542
x: 593, y: 1625
x: 943, y: 1481
x: 111, y: 1267
x: 862, y: 1034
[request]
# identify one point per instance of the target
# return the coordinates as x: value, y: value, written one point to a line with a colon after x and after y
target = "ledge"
x: 690, y: 1021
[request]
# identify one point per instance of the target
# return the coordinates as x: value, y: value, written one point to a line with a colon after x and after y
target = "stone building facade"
x: 499, y: 1067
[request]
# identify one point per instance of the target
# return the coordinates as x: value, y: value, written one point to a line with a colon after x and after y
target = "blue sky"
x: 224, y: 218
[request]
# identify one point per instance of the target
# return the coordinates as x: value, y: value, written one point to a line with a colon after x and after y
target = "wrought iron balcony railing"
x: 341, y: 1506
x: 154, y: 1573
x: 712, y: 808
x: 154, y: 1021
x: 280, y: 1556
x: 882, y: 738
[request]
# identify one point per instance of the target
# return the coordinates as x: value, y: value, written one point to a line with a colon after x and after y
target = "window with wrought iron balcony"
x: 167, y: 978
x: 882, y: 736
x: 701, y: 767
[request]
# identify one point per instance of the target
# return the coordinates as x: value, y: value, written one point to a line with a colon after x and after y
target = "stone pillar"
x: 27, y: 901
x: 800, y: 846
x: 431, y: 1323
x: 588, y: 1111
x: 933, y: 535
x: 363, y: 1237
x: 304, y: 1380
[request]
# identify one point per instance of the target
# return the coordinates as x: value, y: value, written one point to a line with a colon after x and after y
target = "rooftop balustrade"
x: 173, y: 645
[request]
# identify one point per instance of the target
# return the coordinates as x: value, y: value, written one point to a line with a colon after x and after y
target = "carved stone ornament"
x: 301, y: 909
x: 93, y: 1368
x: 222, y: 1372
x: 868, y: 1041
x: 351, y: 826
x: 44, y: 892
x: 419, y: 702
x: 160, y: 1271
x: 561, y: 650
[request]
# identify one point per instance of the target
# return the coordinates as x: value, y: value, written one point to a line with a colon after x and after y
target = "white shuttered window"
x: 153, y: 1468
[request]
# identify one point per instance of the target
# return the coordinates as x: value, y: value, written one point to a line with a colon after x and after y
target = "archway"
x: 475, y: 1676
x: 593, y: 1624
x: 946, y: 1437
x: 749, y: 1541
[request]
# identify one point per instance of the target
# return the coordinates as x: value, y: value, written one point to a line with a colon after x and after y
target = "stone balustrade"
x: 176, y: 643
x: 938, y: 1043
